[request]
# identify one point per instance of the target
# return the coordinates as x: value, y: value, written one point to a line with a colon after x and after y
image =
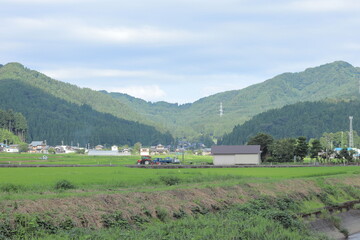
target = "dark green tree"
x: 283, y: 150
x: 23, y: 147
x: 264, y: 140
x: 315, y: 149
x: 301, y: 148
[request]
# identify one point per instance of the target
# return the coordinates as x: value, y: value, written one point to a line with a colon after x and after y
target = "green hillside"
x: 338, y: 80
x: 55, y: 120
x: 309, y: 119
x: 71, y: 93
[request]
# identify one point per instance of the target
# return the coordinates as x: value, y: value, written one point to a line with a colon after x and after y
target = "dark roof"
x: 235, y: 149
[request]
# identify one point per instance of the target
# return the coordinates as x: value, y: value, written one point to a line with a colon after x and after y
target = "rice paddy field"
x: 130, y: 203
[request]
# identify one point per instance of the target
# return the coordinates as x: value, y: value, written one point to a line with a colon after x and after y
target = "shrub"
x: 170, y: 180
x: 64, y: 184
x: 114, y: 219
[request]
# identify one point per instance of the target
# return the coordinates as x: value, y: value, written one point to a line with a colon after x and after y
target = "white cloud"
x: 146, y: 92
x: 324, y: 5
x: 61, y: 29
x: 147, y: 34
x: 81, y: 73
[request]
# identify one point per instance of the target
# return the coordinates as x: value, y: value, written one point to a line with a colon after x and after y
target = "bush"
x: 170, y: 180
x: 114, y: 220
x: 63, y: 185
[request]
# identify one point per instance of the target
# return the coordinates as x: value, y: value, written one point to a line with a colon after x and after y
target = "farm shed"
x: 236, y: 154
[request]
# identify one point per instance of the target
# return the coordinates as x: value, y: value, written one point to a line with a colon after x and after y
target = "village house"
x: 144, y: 151
x: 99, y: 147
x: 159, y: 149
x: 38, y: 147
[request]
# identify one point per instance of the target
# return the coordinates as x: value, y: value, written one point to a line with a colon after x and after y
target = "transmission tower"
x: 221, y: 110
x: 351, y: 135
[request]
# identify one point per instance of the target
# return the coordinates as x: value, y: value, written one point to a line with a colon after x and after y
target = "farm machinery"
x: 146, y: 160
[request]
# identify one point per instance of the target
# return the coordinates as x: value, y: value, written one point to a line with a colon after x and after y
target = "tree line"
x: 296, y: 149
x: 14, y: 122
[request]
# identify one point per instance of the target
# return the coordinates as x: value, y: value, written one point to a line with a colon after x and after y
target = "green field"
x: 21, y: 187
x: 28, y: 158
x: 20, y: 182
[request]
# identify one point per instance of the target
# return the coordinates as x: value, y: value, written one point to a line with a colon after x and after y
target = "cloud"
x: 75, y: 30
x: 146, y: 92
x: 146, y: 34
x: 323, y: 5
x: 81, y: 73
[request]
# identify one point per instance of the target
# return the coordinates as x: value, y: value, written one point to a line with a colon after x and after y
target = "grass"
x: 33, y: 182
x: 29, y: 158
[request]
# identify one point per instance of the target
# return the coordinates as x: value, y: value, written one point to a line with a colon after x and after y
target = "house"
x: 159, y: 149
x: 144, y: 151
x: 115, y: 148
x: 236, y: 154
x: 99, y: 147
x: 38, y: 147
x: 64, y: 149
x: 206, y: 151
x: 12, y: 148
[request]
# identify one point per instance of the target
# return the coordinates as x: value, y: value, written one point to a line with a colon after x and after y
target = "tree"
x: 315, y: 149
x: 264, y: 140
x: 23, y: 147
x: 301, y: 148
x: 282, y: 150
x: 136, y: 148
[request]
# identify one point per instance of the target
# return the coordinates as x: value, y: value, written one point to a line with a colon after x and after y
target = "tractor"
x: 146, y: 160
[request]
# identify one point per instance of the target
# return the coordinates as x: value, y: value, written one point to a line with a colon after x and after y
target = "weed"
x: 170, y: 180
x: 10, y: 188
x: 161, y: 214
x: 64, y: 184
x: 180, y: 214
x: 114, y: 220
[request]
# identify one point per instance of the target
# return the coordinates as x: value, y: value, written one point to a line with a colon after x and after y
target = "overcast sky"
x: 176, y: 50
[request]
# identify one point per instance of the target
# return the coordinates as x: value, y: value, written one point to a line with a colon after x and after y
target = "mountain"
x: 55, y: 120
x: 337, y: 80
x: 71, y: 93
x: 309, y: 119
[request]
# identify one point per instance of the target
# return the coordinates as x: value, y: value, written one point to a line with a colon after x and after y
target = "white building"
x: 144, y: 151
x: 236, y: 154
x: 115, y: 148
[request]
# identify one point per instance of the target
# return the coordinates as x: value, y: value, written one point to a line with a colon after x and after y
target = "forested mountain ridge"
x: 337, y: 80
x: 309, y: 119
x: 55, y: 120
x: 72, y: 93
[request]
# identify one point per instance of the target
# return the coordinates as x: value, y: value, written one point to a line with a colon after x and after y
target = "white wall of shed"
x: 236, y: 159
x: 247, y: 159
x: 224, y: 159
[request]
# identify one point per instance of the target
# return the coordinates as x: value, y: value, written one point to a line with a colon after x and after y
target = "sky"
x: 176, y: 50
